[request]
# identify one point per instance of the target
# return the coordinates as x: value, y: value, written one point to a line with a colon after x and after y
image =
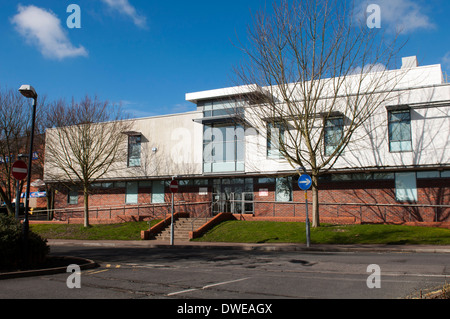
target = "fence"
x: 362, y: 212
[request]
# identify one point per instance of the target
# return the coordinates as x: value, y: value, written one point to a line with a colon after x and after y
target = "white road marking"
x: 207, y: 286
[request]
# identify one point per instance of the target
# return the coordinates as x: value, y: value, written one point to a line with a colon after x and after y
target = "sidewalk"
x: 252, y: 246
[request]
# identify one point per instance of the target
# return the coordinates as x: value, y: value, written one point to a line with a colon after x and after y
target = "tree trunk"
x: 86, y: 206
x: 315, y: 201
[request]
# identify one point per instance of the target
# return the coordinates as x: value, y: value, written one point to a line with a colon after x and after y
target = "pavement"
x: 254, y: 246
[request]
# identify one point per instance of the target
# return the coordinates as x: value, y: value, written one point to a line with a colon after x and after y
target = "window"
x: 131, y: 195
x: 223, y: 148
x: 158, y: 192
x: 275, y: 134
x: 400, y: 131
x: 134, y: 150
x: 428, y: 174
x: 72, y: 198
x: 221, y: 107
x: 283, y: 189
x: 333, y: 134
x: 405, y: 187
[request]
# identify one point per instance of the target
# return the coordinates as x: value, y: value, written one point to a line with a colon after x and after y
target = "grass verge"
x: 275, y: 232
x: 263, y: 232
x: 123, y: 231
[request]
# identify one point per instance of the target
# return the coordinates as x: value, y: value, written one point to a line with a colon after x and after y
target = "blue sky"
x: 149, y: 54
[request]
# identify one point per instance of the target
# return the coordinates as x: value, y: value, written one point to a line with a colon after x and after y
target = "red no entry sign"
x: 174, y: 186
x: 19, y: 170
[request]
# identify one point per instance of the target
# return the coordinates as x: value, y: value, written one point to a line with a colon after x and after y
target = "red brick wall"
x: 430, y: 191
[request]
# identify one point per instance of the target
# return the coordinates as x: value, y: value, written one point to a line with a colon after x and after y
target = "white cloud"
x: 125, y: 8
x: 43, y: 29
x: 405, y: 16
x: 369, y: 68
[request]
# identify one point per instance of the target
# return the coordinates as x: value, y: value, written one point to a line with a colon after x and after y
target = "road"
x: 197, y: 273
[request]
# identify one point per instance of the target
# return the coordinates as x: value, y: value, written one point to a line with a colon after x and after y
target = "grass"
x: 263, y: 232
x: 123, y: 231
x: 273, y: 232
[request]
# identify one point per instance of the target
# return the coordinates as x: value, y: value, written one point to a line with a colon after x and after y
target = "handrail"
x: 206, y: 215
x: 71, y: 210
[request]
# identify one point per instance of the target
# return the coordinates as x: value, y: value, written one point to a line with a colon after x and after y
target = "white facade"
x: 178, y: 144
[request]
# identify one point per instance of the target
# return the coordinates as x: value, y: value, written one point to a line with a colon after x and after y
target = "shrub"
x: 12, y: 255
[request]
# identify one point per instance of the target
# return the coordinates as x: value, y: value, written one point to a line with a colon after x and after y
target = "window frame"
x: 331, y: 128
x: 273, y: 147
x: 131, y: 143
x: 392, y: 131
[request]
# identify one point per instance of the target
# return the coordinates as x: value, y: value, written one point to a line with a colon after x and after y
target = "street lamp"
x: 29, y: 92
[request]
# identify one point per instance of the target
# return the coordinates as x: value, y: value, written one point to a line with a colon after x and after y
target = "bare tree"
x: 87, y: 141
x: 323, y: 74
x: 15, y: 129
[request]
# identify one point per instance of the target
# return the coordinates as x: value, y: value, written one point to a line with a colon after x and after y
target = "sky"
x: 147, y: 54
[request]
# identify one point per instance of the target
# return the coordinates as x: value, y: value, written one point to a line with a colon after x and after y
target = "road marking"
x: 99, y: 271
x: 207, y: 286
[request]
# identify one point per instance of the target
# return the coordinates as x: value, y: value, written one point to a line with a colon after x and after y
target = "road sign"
x: 19, y: 170
x: 174, y: 186
x: 304, y: 182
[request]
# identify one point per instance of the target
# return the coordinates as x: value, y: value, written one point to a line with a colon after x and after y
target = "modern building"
x: 398, y: 169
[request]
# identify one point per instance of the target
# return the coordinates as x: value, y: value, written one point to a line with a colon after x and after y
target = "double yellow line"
x: 108, y: 267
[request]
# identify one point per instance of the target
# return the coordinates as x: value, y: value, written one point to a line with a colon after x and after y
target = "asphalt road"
x: 197, y: 273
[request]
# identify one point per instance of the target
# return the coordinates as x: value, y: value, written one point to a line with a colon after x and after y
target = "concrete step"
x: 182, y: 228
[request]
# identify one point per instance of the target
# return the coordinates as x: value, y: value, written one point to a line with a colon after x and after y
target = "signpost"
x: 19, y: 172
x: 305, y: 182
x: 173, y: 190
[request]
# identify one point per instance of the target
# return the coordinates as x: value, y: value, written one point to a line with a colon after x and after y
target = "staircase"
x: 182, y: 227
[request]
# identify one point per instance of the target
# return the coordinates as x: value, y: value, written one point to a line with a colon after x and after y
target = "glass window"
x: 400, y: 131
x: 223, y: 148
x: 266, y: 180
x: 333, y: 134
x: 283, y: 189
x: 275, y: 135
x: 428, y: 174
x: 341, y: 177
x: 405, y: 187
x: 134, y: 150
x: 131, y: 193
x: 158, y: 192
x: 72, y: 198
x: 382, y: 176
x: 445, y: 174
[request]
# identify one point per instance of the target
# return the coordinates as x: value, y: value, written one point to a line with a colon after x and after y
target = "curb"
x: 81, y: 262
x: 254, y: 246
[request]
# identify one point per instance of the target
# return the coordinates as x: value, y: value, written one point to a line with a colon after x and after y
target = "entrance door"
x: 233, y: 195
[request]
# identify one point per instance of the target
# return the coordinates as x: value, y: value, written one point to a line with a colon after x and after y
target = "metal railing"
x: 204, y: 214
x: 160, y: 210
x: 340, y: 205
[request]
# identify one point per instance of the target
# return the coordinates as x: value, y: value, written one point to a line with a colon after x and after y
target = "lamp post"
x: 29, y: 92
x: 17, y: 206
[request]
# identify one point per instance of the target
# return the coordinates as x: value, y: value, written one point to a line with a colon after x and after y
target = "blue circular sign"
x: 304, y: 182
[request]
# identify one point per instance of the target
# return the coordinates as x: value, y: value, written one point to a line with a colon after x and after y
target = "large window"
x: 221, y: 107
x: 131, y: 195
x: 134, y: 150
x: 400, y: 131
x: 275, y: 135
x: 283, y: 189
x: 333, y: 134
x: 223, y: 148
x: 158, y: 192
x: 72, y: 198
x: 405, y: 187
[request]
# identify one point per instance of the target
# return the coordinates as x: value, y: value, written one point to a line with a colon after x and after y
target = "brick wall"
x: 334, y: 194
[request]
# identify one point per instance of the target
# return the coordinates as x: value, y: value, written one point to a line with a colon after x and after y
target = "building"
x: 399, y: 171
